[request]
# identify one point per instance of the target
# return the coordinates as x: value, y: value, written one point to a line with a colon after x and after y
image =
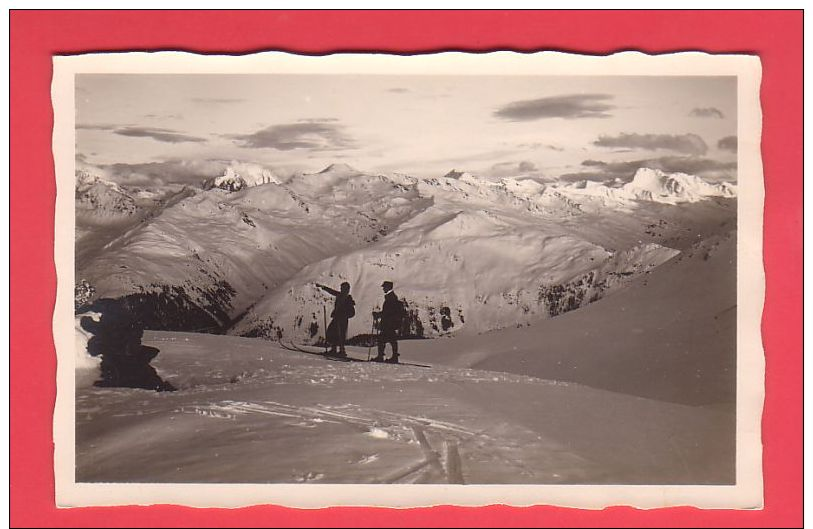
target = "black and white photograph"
x: 416, y: 271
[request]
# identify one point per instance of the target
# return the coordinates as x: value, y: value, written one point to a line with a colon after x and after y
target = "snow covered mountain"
x: 107, y: 211
x: 96, y: 197
x: 204, y: 260
x: 466, y: 254
x: 653, y: 185
x: 239, y: 175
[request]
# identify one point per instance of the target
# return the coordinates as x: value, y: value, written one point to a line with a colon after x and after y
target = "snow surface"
x: 669, y: 335
x: 634, y: 387
x: 88, y: 368
x: 248, y: 411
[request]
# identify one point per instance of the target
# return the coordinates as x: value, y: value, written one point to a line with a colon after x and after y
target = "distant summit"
x: 339, y: 168
x: 241, y: 175
x: 454, y: 174
x: 658, y: 186
x: 97, y: 196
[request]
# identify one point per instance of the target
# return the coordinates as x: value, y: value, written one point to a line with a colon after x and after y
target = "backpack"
x: 402, y: 311
x: 350, y: 307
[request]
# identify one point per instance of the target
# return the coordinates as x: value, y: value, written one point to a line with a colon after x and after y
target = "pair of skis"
x: 290, y: 346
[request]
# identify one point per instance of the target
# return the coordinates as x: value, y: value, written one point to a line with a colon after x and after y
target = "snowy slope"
x: 466, y: 253
x: 204, y: 260
x: 106, y: 211
x: 456, y: 270
x: 485, y: 255
x: 250, y: 412
x: 635, y: 387
x: 101, y: 198
x: 670, y: 335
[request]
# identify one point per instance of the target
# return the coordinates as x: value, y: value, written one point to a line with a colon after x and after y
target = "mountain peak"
x: 454, y: 174
x: 339, y: 168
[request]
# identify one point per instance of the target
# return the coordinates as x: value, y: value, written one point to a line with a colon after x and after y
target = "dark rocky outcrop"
x: 117, y: 340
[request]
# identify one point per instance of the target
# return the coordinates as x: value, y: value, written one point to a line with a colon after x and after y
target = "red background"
x: 776, y: 36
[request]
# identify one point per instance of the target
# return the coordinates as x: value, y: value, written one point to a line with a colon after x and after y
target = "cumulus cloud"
x: 604, y: 171
x: 729, y: 143
x: 158, y: 134
x: 168, y: 171
x: 682, y: 143
x: 181, y: 171
x: 707, y: 112
x: 302, y: 135
x: 574, y: 106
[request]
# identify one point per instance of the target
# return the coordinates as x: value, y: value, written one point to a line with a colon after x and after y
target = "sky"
x: 159, y: 129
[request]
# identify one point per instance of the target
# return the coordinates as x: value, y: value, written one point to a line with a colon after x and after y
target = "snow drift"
x: 88, y: 368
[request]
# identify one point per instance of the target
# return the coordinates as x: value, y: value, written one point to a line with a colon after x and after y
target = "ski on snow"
x: 290, y: 346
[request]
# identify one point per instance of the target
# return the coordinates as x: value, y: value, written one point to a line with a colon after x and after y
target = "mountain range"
x: 243, y: 252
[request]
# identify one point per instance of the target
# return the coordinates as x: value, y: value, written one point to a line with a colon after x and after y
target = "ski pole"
x: 372, y: 335
x: 324, y: 320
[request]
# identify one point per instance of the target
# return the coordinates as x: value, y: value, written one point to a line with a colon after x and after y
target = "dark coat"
x: 345, y: 306
x: 391, y: 312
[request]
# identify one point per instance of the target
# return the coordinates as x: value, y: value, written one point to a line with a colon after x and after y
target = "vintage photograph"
x: 409, y: 276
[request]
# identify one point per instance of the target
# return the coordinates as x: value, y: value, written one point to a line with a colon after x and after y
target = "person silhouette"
x: 390, y: 319
x: 343, y: 310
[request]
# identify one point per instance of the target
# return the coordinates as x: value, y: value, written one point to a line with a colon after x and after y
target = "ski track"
x: 248, y: 411
x: 366, y: 434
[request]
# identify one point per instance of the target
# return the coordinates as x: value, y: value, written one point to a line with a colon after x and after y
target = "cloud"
x: 216, y: 100
x: 174, y: 171
x: 398, y: 90
x: 682, y: 143
x: 317, y: 120
x: 95, y: 126
x: 707, y: 112
x: 161, y: 116
x: 729, y: 143
x: 539, y: 145
x: 158, y: 134
x: 575, y: 106
x: 524, y: 168
x: 303, y: 135
x: 625, y: 170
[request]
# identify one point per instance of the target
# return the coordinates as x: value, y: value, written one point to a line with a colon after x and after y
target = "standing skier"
x: 390, y: 319
x: 343, y: 310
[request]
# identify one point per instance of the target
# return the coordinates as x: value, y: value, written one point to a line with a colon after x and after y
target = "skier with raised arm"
x: 343, y: 310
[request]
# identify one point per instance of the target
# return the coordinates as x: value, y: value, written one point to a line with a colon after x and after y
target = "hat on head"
x: 387, y: 285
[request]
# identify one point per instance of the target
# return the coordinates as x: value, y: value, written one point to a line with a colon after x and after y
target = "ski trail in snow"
x: 364, y: 417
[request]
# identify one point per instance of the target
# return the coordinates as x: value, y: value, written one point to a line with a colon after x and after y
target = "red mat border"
x: 776, y: 36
